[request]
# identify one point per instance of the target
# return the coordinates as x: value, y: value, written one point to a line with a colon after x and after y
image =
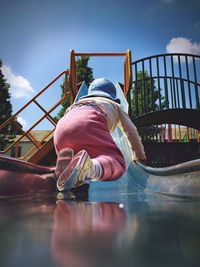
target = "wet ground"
x: 112, y: 227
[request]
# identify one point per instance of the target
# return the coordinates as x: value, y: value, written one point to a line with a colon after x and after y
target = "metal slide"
x: 178, y: 180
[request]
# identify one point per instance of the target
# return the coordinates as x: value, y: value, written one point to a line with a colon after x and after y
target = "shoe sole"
x: 73, y: 174
x: 63, y: 160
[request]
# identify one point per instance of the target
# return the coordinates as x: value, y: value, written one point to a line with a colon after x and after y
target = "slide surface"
x: 21, y: 178
x: 178, y: 180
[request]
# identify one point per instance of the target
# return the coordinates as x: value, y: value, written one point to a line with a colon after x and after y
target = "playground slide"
x: 178, y: 180
x: 21, y: 178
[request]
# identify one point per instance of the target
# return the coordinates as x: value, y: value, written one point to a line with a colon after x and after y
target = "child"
x: 85, y: 131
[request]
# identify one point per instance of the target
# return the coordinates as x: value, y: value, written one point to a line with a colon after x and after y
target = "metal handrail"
x: 170, y: 77
x: 174, y: 76
x: 100, y: 54
x: 46, y: 114
x: 169, y: 90
x: 127, y: 69
x: 165, y: 54
x: 32, y: 100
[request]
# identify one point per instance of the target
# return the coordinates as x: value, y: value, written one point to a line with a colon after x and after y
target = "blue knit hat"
x: 104, y: 88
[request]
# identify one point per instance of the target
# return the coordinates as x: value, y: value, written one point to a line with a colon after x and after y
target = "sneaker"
x: 76, y: 172
x: 64, y: 157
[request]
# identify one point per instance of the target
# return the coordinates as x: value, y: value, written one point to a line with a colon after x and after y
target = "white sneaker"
x: 76, y: 173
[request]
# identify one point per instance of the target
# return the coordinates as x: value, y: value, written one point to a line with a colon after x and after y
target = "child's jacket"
x: 116, y: 116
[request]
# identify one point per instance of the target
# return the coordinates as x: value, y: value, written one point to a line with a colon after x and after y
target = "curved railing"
x: 172, y: 79
x: 166, y: 88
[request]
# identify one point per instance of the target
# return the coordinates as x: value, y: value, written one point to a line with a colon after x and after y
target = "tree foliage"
x: 145, y: 97
x: 84, y: 73
x: 65, y: 104
x: 8, y: 132
x: 149, y: 99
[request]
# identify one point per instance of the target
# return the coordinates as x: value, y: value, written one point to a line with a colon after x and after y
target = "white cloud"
x: 19, y: 86
x: 183, y: 45
x: 22, y: 121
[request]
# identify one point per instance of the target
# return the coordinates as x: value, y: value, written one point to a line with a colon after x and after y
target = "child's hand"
x: 143, y: 161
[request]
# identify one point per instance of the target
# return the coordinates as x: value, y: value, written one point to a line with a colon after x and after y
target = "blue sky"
x: 36, y: 37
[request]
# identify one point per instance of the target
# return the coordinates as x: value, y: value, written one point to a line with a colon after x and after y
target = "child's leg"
x: 86, y: 129
x: 82, y: 169
x: 113, y: 168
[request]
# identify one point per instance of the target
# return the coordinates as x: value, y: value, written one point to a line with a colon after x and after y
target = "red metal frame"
x: 127, y: 69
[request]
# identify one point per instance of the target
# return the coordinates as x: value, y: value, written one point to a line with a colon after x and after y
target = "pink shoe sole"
x: 75, y: 174
x: 64, y: 157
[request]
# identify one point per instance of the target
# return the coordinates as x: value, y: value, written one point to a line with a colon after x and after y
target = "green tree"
x: 8, y: 132
x: 145, y: 96
x: 84, y: 73
x: 65, y: 104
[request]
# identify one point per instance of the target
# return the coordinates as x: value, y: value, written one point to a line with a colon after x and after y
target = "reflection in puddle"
x: 136, y: 230
x: 86, y: 234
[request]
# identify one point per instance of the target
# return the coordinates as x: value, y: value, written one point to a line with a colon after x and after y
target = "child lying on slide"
x: 84, y: 132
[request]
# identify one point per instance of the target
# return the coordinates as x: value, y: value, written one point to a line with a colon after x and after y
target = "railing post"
x: 196, y: 86
x: 125, y: 75
x: 181, y: 83
x: 129, y: 76
x: 66, y: 85
x: 136, y: 93
x: 72, y: 76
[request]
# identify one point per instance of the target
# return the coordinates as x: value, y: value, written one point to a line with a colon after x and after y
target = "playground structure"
x: 44, y: 149
x: 172, y: 78
x: 177, y: 101
x: 121, y: 218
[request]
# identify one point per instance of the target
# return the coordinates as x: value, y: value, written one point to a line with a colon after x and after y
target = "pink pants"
x: 85, y: 128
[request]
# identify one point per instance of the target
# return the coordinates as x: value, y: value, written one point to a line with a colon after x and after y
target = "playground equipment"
x: 182, y: 179
x: 178, y: 180
x: 43, y: 150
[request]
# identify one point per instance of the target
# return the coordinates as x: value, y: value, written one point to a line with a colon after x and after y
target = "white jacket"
x: 116, y: 116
